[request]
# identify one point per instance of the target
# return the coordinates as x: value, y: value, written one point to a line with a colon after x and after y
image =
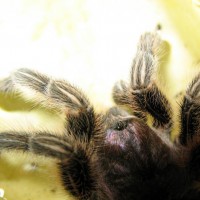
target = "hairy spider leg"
x: 41, y: 143
x: 142, y: 94
x: 45, y: 91
x: 73, y: 158
x: 190, y: 111
x: 54, y: 94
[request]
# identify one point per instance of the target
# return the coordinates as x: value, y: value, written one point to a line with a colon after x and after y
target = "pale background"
x: 90, y: 43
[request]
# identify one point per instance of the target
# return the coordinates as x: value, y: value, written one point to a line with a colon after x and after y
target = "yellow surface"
x: 90, y: 43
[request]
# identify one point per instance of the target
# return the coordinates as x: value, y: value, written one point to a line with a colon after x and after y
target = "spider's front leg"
x: 54, y: 94
x: 190, y: 112
x: 142, y: 94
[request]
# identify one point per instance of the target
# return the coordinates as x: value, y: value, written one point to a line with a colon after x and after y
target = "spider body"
x: 116, y: 155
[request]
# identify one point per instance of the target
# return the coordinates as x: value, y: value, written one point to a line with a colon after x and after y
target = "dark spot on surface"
x: 53, y: 190
x: 158, y: 26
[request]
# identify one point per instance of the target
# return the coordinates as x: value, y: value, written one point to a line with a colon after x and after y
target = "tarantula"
x: 117, y: 155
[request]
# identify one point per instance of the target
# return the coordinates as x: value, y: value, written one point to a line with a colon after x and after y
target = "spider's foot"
x: 120, y: 92
x: 193, y: 91
x: 145, y: 61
